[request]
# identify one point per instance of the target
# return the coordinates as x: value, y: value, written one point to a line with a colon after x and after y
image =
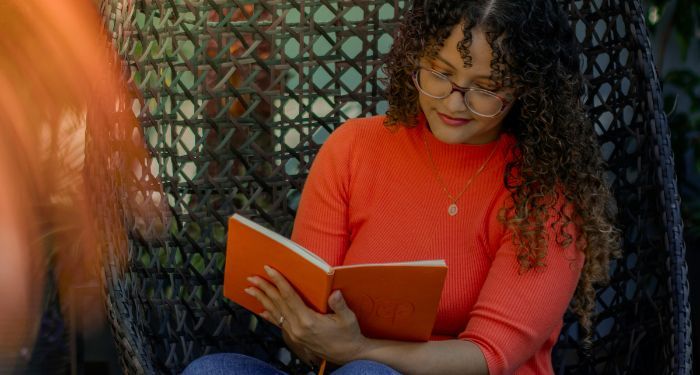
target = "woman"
x: 485, y: 159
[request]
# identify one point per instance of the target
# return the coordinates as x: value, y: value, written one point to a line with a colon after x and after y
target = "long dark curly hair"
x: 556, y: 157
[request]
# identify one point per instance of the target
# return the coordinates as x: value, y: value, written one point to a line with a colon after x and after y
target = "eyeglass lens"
x: 439, y: 87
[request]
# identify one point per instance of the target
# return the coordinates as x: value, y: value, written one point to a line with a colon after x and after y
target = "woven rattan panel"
x: 235, y: 99
x: 237, y: 96
x: 641, y: 327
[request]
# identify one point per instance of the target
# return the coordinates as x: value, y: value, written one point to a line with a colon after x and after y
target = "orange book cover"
x: 396, y: 301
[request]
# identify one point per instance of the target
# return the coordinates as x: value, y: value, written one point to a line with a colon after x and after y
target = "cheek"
x: 425, y: 103
x: 493, y: 122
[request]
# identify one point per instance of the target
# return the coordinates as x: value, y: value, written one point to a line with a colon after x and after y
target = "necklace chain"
x: 452, y: 209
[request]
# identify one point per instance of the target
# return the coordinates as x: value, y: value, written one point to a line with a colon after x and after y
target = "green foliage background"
x: 675, y: 36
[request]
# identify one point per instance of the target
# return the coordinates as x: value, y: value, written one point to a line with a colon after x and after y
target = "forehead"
x: 480, y: 51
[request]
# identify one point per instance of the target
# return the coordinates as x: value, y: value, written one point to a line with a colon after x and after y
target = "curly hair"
x: 556, y: 157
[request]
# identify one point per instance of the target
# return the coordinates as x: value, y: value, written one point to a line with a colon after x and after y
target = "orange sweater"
x: 372, y: 196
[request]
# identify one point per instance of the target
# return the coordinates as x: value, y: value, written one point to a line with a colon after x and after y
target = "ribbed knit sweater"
x: 373, y: 196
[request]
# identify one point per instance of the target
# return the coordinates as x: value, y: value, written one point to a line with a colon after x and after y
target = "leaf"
x: 685, y: 22
x: 688, y: 84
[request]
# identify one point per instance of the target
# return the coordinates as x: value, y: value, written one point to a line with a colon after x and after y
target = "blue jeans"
x: 239, y: 364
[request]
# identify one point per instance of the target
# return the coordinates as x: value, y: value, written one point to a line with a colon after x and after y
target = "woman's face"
x: 450, y: 120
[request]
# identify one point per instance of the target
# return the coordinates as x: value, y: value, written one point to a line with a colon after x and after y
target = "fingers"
x: 337, y: 303
x: 286, y: 291
x: 279, y: 299
x: 305, y: 318
x: 271, y: 313
x: 288, y: 299
x: 269, y: 290
x: 268, y: 316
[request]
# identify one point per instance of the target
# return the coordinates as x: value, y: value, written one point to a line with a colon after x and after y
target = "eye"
x: 437, y: 69
x: 491, y: 87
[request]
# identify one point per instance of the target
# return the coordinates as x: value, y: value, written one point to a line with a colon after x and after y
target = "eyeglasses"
x: 436, y: 85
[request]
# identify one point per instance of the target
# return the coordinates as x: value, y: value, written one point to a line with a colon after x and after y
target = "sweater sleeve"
x: 321, y: 223
x: 516, y: 312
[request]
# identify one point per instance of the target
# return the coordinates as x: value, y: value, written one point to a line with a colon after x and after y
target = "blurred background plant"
x: 675, y: 38
x: 675, y: 29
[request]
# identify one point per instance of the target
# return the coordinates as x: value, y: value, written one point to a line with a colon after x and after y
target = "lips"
x: 451, y: 121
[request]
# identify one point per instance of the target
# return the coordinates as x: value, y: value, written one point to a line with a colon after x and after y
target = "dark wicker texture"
x: 235, y: 98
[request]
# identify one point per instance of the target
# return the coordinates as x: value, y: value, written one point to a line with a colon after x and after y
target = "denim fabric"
x: 230, y: 363
x: 239, y: 364
x: 364, y: 367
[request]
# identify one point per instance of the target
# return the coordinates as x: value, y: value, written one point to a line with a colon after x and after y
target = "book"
x: 396, y: 301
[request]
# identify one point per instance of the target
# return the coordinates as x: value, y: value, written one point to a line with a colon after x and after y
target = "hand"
x: 335, y: 337
x: 304, y: 354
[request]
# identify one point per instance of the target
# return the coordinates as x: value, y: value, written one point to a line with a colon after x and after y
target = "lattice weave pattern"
x: 235, y: 98
x: 638, y: 329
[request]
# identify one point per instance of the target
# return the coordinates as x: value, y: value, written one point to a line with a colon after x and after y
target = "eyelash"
x: 441, y: 71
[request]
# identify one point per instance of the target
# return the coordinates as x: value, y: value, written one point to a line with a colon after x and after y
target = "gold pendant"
x: 452, y: 210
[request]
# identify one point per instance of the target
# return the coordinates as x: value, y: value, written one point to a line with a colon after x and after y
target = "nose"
x: 455, y: 102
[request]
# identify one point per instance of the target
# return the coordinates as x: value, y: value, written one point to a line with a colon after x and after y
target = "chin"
x: 446, y: 134
x: 451, y: 140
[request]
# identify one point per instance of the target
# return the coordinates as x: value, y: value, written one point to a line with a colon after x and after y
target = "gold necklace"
x: 452, y: 208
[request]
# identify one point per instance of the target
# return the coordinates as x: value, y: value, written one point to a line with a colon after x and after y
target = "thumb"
x: 337, y: 303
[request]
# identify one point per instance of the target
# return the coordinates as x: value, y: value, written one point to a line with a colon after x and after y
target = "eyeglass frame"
x: 463, y: 90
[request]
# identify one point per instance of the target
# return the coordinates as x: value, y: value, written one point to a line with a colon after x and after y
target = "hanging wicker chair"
x: 235, y: 98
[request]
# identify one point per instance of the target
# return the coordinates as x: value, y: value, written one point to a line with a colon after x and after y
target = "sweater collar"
x: 461, y: 151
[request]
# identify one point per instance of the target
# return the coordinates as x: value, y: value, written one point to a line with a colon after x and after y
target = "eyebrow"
x: 453, y: 67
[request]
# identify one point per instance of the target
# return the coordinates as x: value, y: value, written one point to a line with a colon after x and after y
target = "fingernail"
x: 249, y: 291
x: 268, y: 270
x: 253, y: 280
